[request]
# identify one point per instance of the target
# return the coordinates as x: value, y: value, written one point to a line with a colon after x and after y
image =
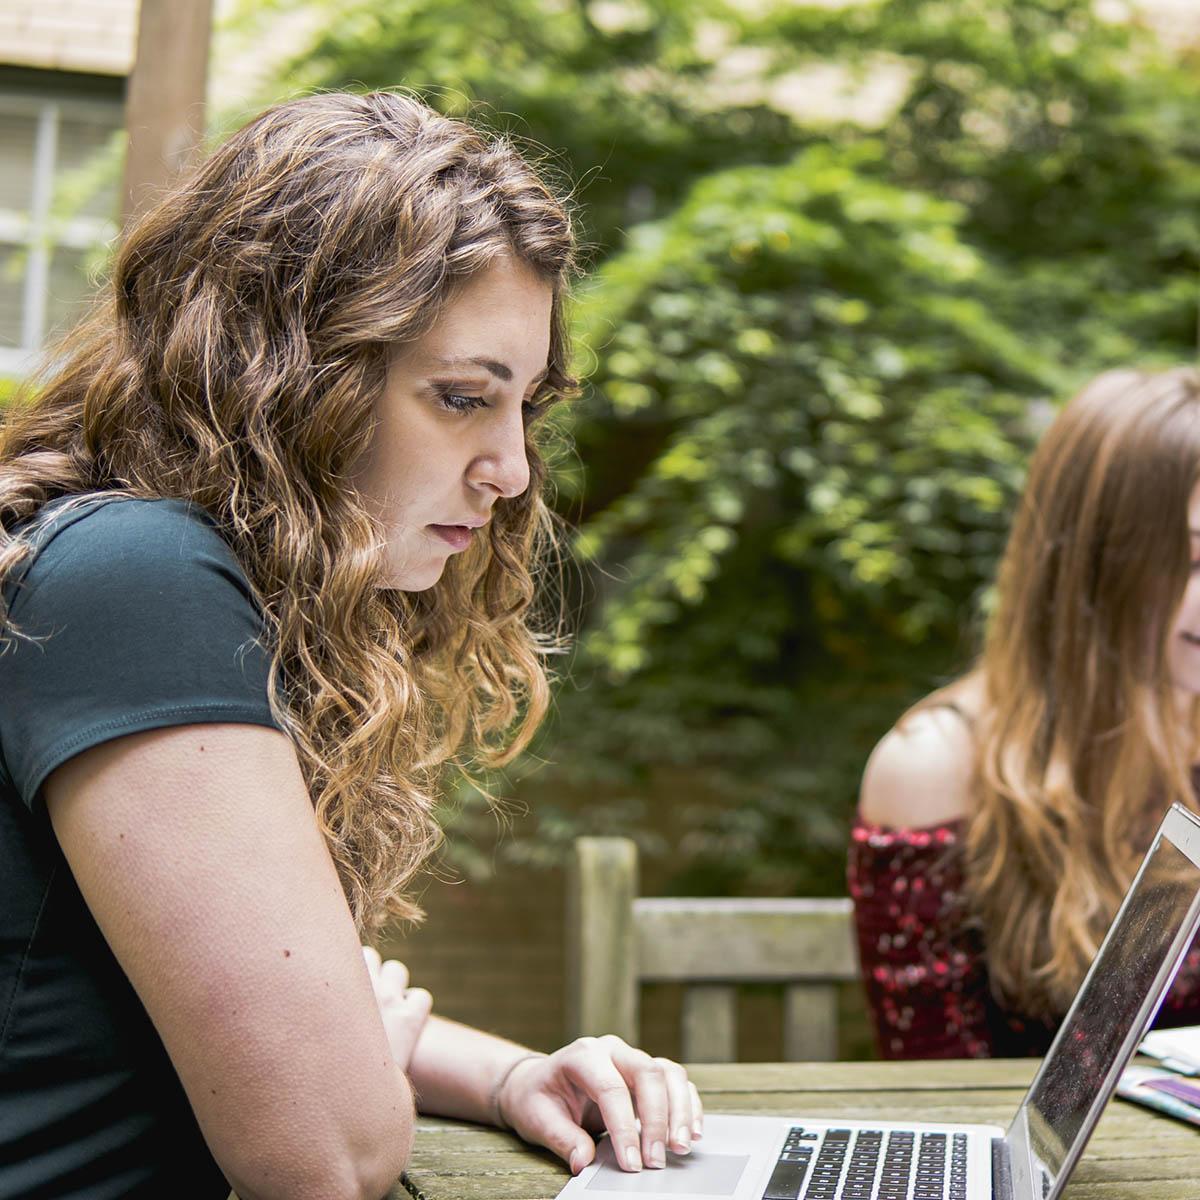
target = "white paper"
x: 1178, y: 1049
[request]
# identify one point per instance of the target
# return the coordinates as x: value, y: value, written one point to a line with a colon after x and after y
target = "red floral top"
x: 923, y: 965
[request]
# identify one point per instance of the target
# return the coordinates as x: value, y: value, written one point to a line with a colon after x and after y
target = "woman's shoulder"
x: 920, y: 773
x: 120, y: 518
x: 94, y: 551
x: 121, y: 533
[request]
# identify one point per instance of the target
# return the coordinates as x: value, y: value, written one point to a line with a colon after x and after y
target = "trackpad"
x: 695, y: 1174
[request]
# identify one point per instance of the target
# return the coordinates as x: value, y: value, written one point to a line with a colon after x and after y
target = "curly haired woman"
x: 1003, y: 818
x: 268, y: 540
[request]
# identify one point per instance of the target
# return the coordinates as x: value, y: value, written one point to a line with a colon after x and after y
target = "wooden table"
x: 1134, y: 1154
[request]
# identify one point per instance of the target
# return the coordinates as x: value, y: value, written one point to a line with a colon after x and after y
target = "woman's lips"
x: 459, y: 536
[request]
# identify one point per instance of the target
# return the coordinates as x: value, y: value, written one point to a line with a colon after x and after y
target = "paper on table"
x: 1177, y: 1049
x: 1161, y: 1090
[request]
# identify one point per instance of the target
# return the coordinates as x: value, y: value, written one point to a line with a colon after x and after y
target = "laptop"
x: 817, y: 1158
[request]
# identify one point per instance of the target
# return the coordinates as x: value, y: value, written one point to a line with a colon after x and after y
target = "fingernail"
x: 575, y: 1162
x: 633, y: 1160
x: 683, y: 1138
x: 697, y: 1130
x: 658, y: 1155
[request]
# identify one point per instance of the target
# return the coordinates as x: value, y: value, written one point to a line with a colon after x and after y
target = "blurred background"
x: 842, y: 260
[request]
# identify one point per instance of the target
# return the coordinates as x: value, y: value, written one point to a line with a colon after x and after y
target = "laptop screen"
x: 1118, y: 999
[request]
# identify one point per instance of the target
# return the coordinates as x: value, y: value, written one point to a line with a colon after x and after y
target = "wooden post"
x: 601, y: 968
x: 164, y: 103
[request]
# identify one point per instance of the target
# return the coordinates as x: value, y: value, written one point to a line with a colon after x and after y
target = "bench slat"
x: 746, y: 940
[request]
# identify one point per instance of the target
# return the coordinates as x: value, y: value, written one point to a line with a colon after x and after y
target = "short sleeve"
x: 135, y: 615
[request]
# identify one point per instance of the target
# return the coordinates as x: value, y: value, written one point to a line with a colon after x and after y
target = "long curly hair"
x: 234, y: 360
x: 1080, y: 746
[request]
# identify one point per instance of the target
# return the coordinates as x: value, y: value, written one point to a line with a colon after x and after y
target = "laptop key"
x: 786, y: 1180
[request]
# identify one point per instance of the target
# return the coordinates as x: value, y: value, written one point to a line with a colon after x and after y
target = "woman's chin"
x: 408, y: 578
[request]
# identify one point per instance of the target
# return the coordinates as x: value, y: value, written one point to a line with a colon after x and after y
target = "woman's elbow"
x: 365, y: 1165
x: 357, y: 1179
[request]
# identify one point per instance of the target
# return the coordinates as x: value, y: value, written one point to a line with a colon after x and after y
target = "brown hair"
x: 1079, y: 746
x: 235, y: 361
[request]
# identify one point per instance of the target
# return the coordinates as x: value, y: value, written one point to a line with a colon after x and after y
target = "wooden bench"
x: 617, y: 940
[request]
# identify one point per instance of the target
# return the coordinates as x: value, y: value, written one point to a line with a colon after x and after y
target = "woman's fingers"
x: 415, y: 1006
x: 404, y: 1018
x: 682, y: 1117
x: 393, y: 978
x: 630, y: 1087
x: 546, y: 1102
x: 373, y: 961
x: 697, y: 1111
x: 647, y: 1085
x: 404, y: 1009
x: 591, y: 1069
x: 389, y: 977
x: 557, y: 1131
x: 662, y: 1096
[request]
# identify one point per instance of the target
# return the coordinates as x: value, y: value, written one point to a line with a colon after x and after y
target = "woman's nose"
x: 502, y: 466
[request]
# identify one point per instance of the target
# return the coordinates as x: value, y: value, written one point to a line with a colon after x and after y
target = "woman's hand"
x: 557, y: 1100
x: 404, y: 1010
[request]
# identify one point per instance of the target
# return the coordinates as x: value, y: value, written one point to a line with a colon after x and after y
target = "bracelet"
x: 498, y: 1087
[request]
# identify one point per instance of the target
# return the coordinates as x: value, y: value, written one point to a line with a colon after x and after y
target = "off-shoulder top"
x: 923, y: 962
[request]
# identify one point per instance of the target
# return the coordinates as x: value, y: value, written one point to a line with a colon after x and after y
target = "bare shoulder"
x: 920, y: 772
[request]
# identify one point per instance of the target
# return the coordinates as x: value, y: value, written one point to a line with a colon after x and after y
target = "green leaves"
x: 810, y: 340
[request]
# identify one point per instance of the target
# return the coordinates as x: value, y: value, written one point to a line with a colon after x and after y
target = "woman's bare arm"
x: 198, y: 853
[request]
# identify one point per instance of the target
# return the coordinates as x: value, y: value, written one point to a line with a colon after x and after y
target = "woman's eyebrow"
x: 499, y: 369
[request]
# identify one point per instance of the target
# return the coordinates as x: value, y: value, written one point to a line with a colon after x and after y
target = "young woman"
x: 268, y: 539
x: 1002, y: 819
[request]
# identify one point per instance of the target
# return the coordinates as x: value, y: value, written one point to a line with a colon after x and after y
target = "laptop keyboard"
x: 869, y: 1164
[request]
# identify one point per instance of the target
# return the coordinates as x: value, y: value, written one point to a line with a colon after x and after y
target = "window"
x: 51, y: 132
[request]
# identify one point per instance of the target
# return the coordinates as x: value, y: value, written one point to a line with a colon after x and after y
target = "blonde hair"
x: 235, y: 362
x: 1079, y: 746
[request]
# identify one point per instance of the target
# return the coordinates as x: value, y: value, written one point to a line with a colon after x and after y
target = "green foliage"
x: 1069, y: 140
x: 620, y: 95
x: 805, y: 352
x: 814, y: 350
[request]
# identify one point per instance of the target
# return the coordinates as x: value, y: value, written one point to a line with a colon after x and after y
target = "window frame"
x: 35, y: 231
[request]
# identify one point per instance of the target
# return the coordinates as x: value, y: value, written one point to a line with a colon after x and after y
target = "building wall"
x: 492, y: 953
x: 92, y: 36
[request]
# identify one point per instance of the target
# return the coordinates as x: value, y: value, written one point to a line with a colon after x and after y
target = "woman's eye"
x: 456, y: 402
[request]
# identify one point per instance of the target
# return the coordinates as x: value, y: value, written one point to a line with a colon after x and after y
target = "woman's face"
x: 1183, y: 645
x: 450, y: 436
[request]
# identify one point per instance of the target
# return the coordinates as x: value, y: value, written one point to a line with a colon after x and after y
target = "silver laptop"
x: 815, y: 1158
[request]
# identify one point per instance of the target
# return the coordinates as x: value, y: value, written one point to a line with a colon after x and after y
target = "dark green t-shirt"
x: 142, y: 619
